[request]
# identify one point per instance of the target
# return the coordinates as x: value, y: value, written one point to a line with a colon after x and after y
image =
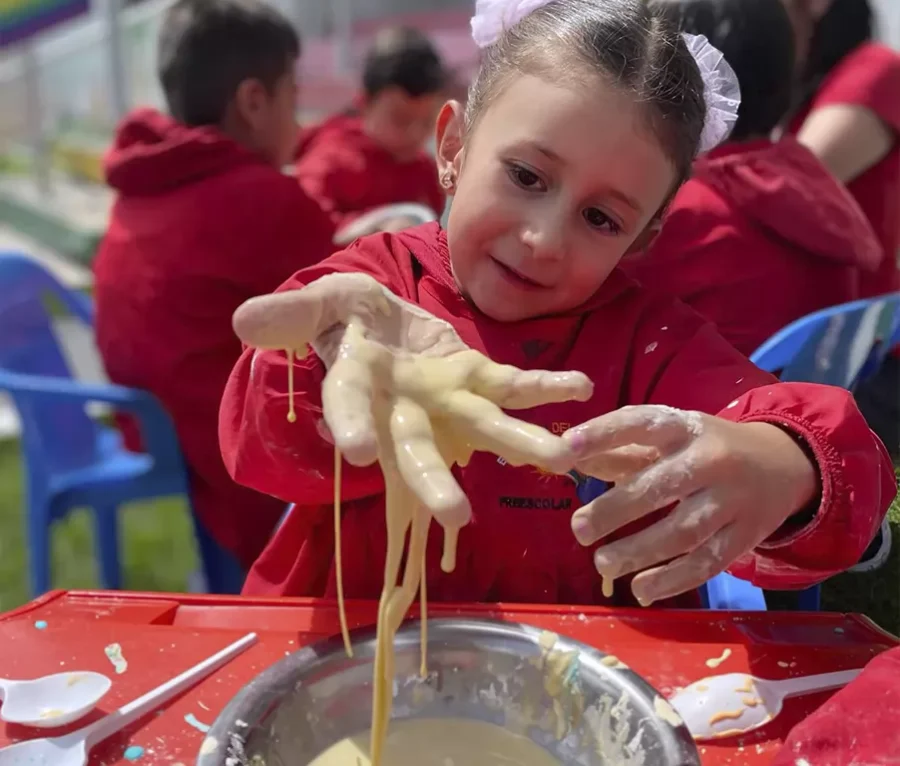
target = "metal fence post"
x: 118, y: 74
x: 35, y: 118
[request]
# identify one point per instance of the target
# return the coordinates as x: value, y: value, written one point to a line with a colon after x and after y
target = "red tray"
x: 163, y: 634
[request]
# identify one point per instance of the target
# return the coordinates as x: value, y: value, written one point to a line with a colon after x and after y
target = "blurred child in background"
x: 374, y: 155
x: 849, y: 115
x: 203, y: 220
x: 761, y: 234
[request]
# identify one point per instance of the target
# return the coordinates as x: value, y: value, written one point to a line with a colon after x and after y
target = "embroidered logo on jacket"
x: 540, y: 503
x: 534, y: 348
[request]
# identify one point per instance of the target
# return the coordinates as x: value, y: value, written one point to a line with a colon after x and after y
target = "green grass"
x: 159, y: 553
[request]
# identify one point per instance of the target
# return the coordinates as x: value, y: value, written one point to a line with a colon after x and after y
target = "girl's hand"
x: 380, y: 349
x: 735, y: 485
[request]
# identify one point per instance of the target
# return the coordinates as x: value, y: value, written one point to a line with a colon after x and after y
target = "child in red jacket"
x: 561, y: 163
x: 367, y: 159
x: 757, y: 217
x: 849, y: 116
x: 857, y: 726
x: 203, y: 220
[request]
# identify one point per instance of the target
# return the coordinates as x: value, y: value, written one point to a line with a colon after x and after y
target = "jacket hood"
x: 787, y: 191
x: 152, y: 153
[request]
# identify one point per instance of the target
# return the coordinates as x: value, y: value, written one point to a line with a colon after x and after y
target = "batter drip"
x: 423, y: 409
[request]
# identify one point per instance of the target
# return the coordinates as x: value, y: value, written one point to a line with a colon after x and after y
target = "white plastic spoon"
x: 72, y: 749
x: 52, y: 701
x: 733, y: 704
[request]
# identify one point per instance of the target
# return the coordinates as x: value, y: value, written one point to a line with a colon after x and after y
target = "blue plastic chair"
x: 725, y: 591
x: 71, y: 460
x: 838, y: 346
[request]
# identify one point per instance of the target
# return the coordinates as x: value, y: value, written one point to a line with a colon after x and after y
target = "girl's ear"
x: 250, y: 103
x: 449, y: 137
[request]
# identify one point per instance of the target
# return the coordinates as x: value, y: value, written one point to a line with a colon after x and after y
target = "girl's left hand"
x: 735, y: 485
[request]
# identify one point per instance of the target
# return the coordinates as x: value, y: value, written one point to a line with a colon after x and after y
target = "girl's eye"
x: 523, y: 177
x: 600, y: 220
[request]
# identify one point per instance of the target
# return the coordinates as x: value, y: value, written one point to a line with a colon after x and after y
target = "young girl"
x: 582, y: 122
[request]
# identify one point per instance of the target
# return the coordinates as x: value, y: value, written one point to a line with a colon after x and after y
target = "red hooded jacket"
x: 856, y: 727
x: 349, y: 174
x: 199, y: 226
x: 870, y: 77
x: 759, y: 220
x: 636, y: 347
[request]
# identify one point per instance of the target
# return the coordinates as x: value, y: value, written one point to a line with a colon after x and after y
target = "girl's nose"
x: 544, y: 236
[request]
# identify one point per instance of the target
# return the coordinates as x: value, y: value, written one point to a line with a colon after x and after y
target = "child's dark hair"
x: 757, y: 40
x: 846, y: 25
x: 622, y: 41
x: 207, y: 48
x: 403, y: 58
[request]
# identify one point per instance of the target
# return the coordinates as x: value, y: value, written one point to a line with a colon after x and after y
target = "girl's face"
x: 551, y: 189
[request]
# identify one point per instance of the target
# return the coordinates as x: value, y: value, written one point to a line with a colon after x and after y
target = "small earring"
x: 447, y: 180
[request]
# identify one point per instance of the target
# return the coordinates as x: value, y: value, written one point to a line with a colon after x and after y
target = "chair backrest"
x: 56, y: 435
x: 838, y: 346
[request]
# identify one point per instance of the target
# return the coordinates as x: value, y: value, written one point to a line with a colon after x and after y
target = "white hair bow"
x: 493, y: 17
x: 722, y: 91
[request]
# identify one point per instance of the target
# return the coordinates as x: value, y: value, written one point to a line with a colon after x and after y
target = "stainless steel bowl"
x: 576, y: 702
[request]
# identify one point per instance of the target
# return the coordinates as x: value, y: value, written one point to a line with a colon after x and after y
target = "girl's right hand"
x: 379, y: 348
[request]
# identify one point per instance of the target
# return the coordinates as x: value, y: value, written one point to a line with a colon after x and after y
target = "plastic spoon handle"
x: 791, y: 687
x: 114, y: 722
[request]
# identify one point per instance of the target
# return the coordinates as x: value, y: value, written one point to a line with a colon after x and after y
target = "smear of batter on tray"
x: 714, y: 662
x: 191, y: 720
x: 115, y: 656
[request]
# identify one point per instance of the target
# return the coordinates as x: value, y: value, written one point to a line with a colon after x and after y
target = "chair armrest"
x: 81, y: 306
x: 157, y: 430
x: 20, y: 385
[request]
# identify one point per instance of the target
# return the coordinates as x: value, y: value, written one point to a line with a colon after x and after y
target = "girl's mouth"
x: 515, y: 278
